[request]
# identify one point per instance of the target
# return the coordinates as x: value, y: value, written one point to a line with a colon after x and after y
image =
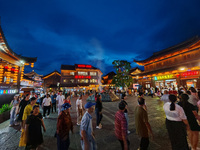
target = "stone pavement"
x: 9, y: 137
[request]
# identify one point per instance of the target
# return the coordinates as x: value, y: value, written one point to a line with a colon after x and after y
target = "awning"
x: 27, y: 89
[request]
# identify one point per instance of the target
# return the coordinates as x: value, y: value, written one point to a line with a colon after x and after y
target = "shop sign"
x: 82, y: 77
x: 84, y: 66
x: 164, y: 77
x: 7, y: 92
x: 190, y: 73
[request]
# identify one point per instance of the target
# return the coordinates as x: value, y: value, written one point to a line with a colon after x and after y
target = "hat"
x: 65, y: 106
x: 89, y: 104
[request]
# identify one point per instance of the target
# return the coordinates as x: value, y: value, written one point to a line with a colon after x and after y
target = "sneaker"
x: 11, y: 125
x: 78, y: 124
x: 16, y: 124
x: 44, y: 117
x: 128, y: 132
x: 48, y: 116
x: 98, y: 127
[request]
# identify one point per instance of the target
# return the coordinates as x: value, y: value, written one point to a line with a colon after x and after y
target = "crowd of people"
x: 181, y: 111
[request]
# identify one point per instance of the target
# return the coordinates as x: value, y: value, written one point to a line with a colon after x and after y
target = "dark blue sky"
x: 95, y: 32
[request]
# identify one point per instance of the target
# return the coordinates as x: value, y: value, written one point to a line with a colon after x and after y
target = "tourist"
x: 121, y: 127
x: 126, y: 109
x: 98, y: 111
x: 27, y: 110
x: 191, y: 113
x: 143, y: 128
x: 22, y: 106
x: 193, y: 97
x: 86, y: 129
x: 33, y: 129
x: 53, y: 101
x: 67, y: 100
x: 175, y: 124
x: 46, y: 105
x: 79, y: 109
x: 64, y: 125
x: 165, y: 97
x: 60, y: 101
x: 13, y: 112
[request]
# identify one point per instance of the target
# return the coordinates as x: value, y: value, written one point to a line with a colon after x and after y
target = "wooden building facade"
x: 11, y: 70
x: 173, y: 67
x: 51, y: 81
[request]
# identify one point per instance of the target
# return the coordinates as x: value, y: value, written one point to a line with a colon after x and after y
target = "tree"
x: 122, y: 78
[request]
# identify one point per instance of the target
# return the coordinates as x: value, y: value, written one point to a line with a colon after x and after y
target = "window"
x: 93, y: 80
x: 93, y: 73
x: 72, y: 73
x: 82, y: 80
x: 83, y: 73
x: 66, y: 74
x: 64, y: 80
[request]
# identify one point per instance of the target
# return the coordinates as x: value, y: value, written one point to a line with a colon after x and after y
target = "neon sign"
x: 82, y: 77
x: 164, y: 77
x: 8, y: 91
x: 84, y: 66
x: 190, y: 73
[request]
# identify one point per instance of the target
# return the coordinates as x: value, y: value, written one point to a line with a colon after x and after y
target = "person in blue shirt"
x: 86, y: 129
x: 53, y: 101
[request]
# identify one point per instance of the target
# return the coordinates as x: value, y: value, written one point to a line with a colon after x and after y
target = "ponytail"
x: 173, y: 99
x: 172, y: 106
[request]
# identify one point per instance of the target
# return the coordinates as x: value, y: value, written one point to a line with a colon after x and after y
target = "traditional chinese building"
x: 80, y: 76
x: 37, y: 85
x: 11, y: 70
x: 51, y: 81
x: 134, y: 73
x: 175, y: 66
x: 107, y: 79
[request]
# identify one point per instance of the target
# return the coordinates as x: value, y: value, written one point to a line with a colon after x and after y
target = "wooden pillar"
x: 19, y: 78
x: 1, y: 73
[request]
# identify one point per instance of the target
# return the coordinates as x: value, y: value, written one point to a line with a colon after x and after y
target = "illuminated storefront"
x: 11, y: 70
x: 80, y: 76
x: 177, y: 66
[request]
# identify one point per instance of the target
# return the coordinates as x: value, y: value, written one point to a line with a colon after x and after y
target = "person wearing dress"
x: 79, y: 109
x: 33, y: 131
x: 192, y: 117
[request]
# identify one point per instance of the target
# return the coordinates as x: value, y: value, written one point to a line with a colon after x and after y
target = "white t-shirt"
x: 78, y: 102
x: 60, y: 99
x: 176, y: 115
x: 47, y: 101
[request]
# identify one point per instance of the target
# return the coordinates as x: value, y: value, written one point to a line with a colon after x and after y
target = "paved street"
x: 9, y: 137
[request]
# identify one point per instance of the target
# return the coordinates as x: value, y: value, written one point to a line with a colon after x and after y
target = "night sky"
x: 95, y: 32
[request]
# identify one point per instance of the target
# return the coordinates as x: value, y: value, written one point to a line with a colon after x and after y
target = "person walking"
x: 98, y: 111
x: 192, y: 116
x: 121, y: 127
x: 143, y: 128
x: 33, y: 131
x: 22, y: 106
x: 79, y: 110
x: 46, y: 105
x: 53, y: 101
x: 15, y: 106
x: 193, y: 97
x: 64, y: 125
x: 86, y: 129
x: 165, y: 97
x: 60, y: 101
x: 175, y: 124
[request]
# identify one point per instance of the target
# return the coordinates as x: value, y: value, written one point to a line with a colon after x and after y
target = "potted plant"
x: 5, y: 112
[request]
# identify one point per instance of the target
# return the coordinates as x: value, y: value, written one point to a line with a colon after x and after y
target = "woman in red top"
x: 67, y: 100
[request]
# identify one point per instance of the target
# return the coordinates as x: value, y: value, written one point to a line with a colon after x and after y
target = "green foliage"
x: 4, y: 108
x: 122, y: 78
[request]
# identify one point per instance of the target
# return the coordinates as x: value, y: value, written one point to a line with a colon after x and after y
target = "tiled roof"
x: 172, y: 49
x: 67, y: 67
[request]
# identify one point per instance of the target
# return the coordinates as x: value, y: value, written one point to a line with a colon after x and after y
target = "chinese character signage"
x: 190, y: 73
x: 164, y: 77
